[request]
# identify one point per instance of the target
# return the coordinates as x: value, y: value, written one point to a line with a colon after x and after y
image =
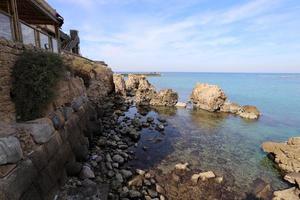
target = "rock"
x: 293, y: 178
x: 162, y: 197
x: 288, y: 194
x: 152, y: 193
x: 137, y: 181
x: 150, y: 119
x: 86, y: 172
x: 160, y: 127
x: 229, y: 107
x: 166, y: 97
x: 10, y: 150
x: 181, y: 166
x: 207, y: 175
x: 140, y: 172
x: 262, y: 190
x: 181, y: 105
x: 126, y: 173
x: 208, y: 97
x: 73, y: 168
x: 195, y: 178
x: 134, y: 194
x: 119, y: 178
x: 219, y: 179
x: 120, y: 86
x: 40, y: 129
x: 287, y: 155
x: 249, y: 112
x: 133, y: 81
x: 160, y: 189
x: 134, y: 135
x: 145, y: 93
x: 118, y: 158
x: 294, y: 141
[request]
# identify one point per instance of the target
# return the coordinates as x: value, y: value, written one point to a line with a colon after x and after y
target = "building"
x: 31, y: 22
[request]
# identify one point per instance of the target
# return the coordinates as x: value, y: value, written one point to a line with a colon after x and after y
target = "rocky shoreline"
x: 106, y: 172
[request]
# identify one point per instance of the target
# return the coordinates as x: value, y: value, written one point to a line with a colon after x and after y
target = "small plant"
x: 35, y: 75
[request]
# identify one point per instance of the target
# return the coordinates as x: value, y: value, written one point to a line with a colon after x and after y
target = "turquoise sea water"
x: 224, y: 143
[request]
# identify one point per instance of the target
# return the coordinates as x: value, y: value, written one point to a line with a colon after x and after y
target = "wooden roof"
x: 38, y: 12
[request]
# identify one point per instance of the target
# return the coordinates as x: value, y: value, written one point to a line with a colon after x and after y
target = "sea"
x: 224, y: 143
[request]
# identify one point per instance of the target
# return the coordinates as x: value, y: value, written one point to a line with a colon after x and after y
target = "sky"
x: 187, y: 35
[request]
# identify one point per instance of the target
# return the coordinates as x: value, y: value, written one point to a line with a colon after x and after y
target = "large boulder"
x: 133, y: 82
x: 144, y: 93
x: 10, y: 150
x: 229, y: 107
x: 249, y: 112
x: 288, y: 194
x: 208, y: 97
x: 287, y: 154
x: 166, y: 97
x: 120, y: 86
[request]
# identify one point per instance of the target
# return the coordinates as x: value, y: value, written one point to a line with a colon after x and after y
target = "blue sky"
x: 188, y: 35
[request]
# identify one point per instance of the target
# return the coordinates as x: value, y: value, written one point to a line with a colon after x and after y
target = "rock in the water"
x: 181, y: 166
x: 249, y: 112
x: 229, y: 107
x: 195, y: 178
x: 10, y: 150
x: 86, y: 172
x: 207, y: 175
x: 288, y: 194
x: 181, y: 105
x: 144, y: 93
x: 120, y: 86
x: 137, y: 181
x: 208, y: 97
x: 287, y: 155
x: 166, y: 97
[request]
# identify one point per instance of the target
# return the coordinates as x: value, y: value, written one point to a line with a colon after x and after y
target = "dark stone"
x: 73, y: 168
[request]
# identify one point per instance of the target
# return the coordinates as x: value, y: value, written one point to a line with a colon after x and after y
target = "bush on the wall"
x: 35, y: 75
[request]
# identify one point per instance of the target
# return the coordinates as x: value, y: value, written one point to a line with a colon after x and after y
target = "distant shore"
x: 142, y: 73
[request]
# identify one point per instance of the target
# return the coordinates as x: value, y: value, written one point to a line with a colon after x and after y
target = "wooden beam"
x: 15, y: 20
x: 36, y: 4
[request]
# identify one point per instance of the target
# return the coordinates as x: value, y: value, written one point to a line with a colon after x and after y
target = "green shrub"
x: 35, y: 75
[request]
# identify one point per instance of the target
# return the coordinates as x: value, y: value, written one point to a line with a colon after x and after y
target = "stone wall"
x: 34, y: 155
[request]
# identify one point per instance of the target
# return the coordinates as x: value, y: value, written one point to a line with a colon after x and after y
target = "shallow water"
x: 226, y: 144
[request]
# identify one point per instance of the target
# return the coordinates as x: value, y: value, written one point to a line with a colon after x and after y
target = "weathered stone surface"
x: 181, y: 105
x: 249, y: 112
x: 166, y: 97
x: 40, y: 129
x: 120, y: 86
x: 208, y: 97
x: 230, y: 107
x: 181, y: 166
x: 133, y: 81
x: 207, y: 175
x: 86, y: 172
x: 10, y: 150
x: 144, y: 93
x: 287, y: 155
x: 288, y: 194
x: 293, y: 178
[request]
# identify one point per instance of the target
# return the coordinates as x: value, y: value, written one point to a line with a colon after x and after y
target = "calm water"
x: 225, y: 143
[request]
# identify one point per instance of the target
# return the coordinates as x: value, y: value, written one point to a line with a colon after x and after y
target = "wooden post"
x: 15, y: 19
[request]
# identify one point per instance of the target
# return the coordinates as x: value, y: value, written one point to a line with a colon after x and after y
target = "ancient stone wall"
x: 34, y: 155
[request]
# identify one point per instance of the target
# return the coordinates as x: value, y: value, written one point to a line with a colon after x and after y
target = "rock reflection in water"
x: 208, y: 141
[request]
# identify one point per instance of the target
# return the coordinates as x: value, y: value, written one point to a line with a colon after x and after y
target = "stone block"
x: 40, y: 129
x: 39, y: 157
x: 10, y: 150
x: 18, y: 182
x: 32, y: 194
x: 53, y: 145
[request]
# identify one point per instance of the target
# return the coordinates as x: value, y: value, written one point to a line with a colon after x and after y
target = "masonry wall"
x: 34, y: 154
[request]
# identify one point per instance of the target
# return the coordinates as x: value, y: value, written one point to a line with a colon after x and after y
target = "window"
x: 54, y: 45
x: 27, y: 34
x: 44, y: 41
x: 5, y: 27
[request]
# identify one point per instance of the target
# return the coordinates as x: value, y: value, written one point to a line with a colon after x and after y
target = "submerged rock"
x: 208, y: 97
x: 230, y: 107
x: 249, y: 112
